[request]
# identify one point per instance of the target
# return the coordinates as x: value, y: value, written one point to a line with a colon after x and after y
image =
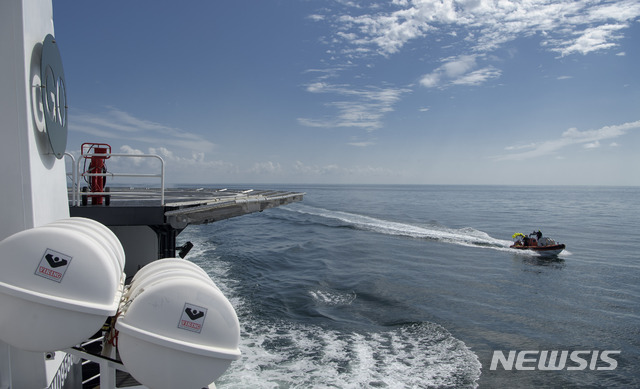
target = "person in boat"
x: 539, y: 234
x: 518, y: 239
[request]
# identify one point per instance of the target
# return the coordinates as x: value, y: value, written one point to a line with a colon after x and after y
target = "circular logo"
x: 54, y: 96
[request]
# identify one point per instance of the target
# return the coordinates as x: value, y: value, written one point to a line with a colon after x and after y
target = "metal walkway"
x: 181, y: 206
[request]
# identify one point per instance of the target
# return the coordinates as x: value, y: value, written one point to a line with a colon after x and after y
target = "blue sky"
x: 386, y: 92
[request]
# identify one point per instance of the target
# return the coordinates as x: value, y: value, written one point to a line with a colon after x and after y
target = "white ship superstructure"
x: 70, y: 290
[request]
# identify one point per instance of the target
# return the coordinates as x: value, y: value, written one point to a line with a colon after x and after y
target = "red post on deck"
x: 96, y: 165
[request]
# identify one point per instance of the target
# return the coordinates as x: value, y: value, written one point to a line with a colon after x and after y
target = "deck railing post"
x: 74, y: 178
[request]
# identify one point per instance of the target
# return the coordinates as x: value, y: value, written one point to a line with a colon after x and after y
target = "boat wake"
x: 279, y: 353
x: 284, y: 354
x: 464, y: 236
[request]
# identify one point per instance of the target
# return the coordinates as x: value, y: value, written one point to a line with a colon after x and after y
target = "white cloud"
x: 338, y: 171
x: 316, y: 17
x: 592, y: 145
x: 358, y: 107
x: 592, y: 39
x: 521, y: 147
x: 126, y: 149
x: 177, y: 162
x: 326, y: 73
x: 617, y: 10
x: 459, y: 66
x: 117, y: 125
x: 265, y: 168
x: 477, y: 77
x: 316, y: 87
x: 94, y: 131
x: 184, y: 152
x: 315, y: 170
x: 459, y: 71
x: 588, y: 139
x: 474, y: 28
x: 362, y: 144
x: 431, y: 80
x: 164, y: 153
x: 568, y: 27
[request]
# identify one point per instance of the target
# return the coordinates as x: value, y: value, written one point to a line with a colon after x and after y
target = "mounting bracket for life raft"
x: 95, y: 175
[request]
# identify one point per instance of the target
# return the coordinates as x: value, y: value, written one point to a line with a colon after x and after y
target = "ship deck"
x: 181, y: 206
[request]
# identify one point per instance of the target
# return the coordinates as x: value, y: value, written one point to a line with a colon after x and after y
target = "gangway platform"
x: 171, y: 212
x: 182, y: 206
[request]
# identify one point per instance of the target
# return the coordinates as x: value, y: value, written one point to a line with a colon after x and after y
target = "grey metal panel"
x: 185, y: 206
x: 220, y: 209
x: 122, y: 216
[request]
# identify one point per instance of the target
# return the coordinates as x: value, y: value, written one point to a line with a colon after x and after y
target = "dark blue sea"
x: 416, y: 287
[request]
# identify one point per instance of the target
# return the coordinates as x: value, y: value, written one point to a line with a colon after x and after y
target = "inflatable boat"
x: 537, y: 243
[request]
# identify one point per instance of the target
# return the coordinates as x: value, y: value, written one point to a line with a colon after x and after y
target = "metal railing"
x: 76, y: 176
x: 106, y: 375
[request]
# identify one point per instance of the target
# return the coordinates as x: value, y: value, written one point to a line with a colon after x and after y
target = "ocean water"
x: 415, y: 286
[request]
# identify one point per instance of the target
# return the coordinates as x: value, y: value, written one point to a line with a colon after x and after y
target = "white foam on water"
x: 331, y: 298
x: 293, y: 355
x: 464, y: 236
x: 467, y: 236
x: 287, y: 354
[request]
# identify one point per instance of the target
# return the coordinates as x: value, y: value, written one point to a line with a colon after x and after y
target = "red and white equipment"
x: 94, y: 174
